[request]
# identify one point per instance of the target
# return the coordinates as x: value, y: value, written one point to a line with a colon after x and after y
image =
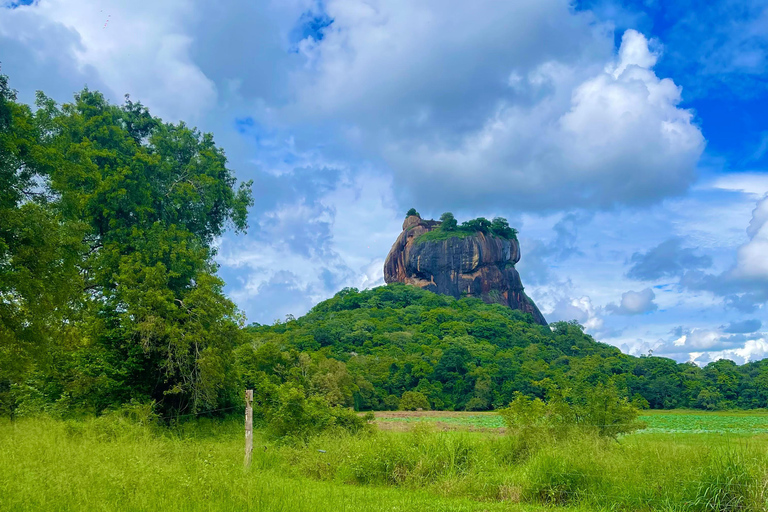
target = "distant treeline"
x: 443, y: 353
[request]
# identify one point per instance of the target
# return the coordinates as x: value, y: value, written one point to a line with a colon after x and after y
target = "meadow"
x: 113, y: 463
x: 657, y: 422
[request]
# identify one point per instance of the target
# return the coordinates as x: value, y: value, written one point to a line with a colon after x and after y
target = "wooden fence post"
x: 248, y: 426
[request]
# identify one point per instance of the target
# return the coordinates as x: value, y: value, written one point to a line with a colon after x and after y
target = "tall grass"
x: 113, y: 463
x: 645, y: 472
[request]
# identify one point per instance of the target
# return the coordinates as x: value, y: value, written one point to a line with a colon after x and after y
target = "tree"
x: 39, y: 281
x: 500, y: 227
x: 413, y: 400
x: 143, y: 200
x: 479, y: 224
x: 412, y: 211
x: 448, y: 222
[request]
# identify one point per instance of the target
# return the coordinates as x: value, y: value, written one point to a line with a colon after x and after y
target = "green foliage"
x: 468, y: 355
x: 412, y: 211
x: 295, y: 395
x: 295, y: 415
x: 438, y: 234
x: 107, y: 278
x: 449, y: 228
x: 500, y: 227
x: 413, y: 401
x: 594, y: 410
x: 39, y: 249
x: 480, y: 224
x: 448, y: 222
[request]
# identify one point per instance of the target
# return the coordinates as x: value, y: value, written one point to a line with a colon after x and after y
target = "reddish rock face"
x: 479, y: 265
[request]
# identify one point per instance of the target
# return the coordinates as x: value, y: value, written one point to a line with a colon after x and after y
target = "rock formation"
x: 476, y: 265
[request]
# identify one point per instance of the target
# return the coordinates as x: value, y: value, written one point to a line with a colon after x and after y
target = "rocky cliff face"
x: 477, y: 265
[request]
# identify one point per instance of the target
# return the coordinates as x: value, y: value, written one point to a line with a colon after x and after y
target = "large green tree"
x: 39, y: 250
x: 136, y: 205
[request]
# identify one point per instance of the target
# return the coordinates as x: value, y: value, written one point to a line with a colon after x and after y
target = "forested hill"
x: 468, y: 355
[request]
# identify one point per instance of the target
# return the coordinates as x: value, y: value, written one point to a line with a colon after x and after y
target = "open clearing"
x: 658, y: 422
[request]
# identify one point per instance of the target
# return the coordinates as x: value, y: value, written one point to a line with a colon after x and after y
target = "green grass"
x: 698, y: 422
x: 55, y: 465
x: 438, y: 234
x: 487, y: 420
x: 658, y: 422
x: 109, y: 463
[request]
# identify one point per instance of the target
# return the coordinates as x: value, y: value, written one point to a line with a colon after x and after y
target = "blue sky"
x: 627, y: 141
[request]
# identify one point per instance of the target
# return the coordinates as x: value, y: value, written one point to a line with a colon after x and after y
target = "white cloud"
x: 634, y: 303
x: 752, y: 350
x: 753, y: 183
x: 306, y: 253
x: 538, y: 109
x: 135, y: 47
x: 580, y: 309
x: 752, y: 257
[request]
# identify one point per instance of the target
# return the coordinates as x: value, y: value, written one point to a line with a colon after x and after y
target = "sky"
x: 627, y: 141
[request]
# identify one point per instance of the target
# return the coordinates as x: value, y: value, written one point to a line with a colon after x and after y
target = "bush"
x: 598, y: 409
x: 412, y: 211
x: 298, y: 416
x: 413, y: 400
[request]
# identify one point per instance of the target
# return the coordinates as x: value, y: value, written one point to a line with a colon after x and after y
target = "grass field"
x: 55, y: 466
x: 695, y: 462
x: 658, y: 422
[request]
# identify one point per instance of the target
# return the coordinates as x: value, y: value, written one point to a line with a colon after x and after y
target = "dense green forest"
x: 109, y: 297
x: 467, y: 355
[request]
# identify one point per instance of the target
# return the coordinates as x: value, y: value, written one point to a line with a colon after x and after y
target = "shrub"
x: 556, y: 476
x: 412, y: 211
x: 298, y: 416
x: 391, y: 403
x: 413, y: 400
x: 598, y: 409
x: 448, y: 222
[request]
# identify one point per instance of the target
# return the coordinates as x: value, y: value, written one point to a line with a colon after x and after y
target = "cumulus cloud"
x: 704, y: 345
x: 303, y: 252
x: 752, y: 350
x: 139, y: 48
x: 634, y: 303
x: 745, y: 285
x: 752, y: 257
x: 668, y: 259
x: 570, y: 126
x: 580, y: 309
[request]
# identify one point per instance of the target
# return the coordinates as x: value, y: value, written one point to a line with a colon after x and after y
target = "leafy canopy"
x: 468, y: 355
x: 111, y: 219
